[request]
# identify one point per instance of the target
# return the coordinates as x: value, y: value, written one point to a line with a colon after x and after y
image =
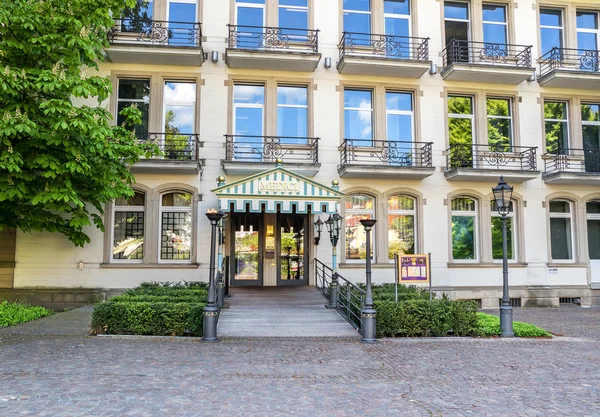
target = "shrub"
x: 148, y: 318
x: 489, y: 325
x: 20, y: 312
x: 176, y: 298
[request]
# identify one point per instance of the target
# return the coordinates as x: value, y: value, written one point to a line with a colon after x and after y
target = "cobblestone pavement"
x: 72, y: 375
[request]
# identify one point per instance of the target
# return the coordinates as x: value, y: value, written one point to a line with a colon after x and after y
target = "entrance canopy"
x: 278, y: 189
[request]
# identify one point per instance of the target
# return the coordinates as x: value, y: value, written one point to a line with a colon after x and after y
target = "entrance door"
x: 593, y: 229
x: 247, y: 242
x: 291, y: 254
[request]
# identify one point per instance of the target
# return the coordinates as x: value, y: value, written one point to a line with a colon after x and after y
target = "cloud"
x: 180, y: 92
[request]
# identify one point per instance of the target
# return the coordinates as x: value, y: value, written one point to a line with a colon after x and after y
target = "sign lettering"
x: 289, y: 186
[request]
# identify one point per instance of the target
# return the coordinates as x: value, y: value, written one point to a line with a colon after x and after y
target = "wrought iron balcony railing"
x: 370, y: 44
x: 155, y: 32
x: 500, y: 157
x: 468, y: 52
x: 575, y: 161
x: 583, y: 60
x: 245, y: 148
x: 385, y: 153
x: 174, y: 146
x: 273, y: 38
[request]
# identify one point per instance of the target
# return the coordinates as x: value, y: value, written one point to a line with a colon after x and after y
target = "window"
x: 400, y: 127
x: 134, y: 92
x: 358, y: 207
x: 590, y: 126
x: 179, y: 118
x: 248, y: 120
x: 561, y: 238
x: 358, y: 115
x: 464, y: 229
x: 357, y: 16
x: 128, y: 228
x: 499, y: 123
x: 497, y: 250
x: 461, y: 130
x: 457, y: 30
x: 495, y: 28
x: 556, y: 125
x: 182, y: 15
x: 293, y: 14
x: 593, y: 229
x: 396, y: 15
x: 401, y: 225
x: 551, y: 29
x: 176, y: 226
x: 587, y: 31
x: 292, y: 114
x: 250, y: 17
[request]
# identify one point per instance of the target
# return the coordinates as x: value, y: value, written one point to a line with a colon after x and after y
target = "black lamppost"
x: 318, y: 228
x: 211, y: 310
x: 289, y: 255
x: 297, y: 238
x: 503, y: 196
x: 334, y: 224
x: 368, y: 313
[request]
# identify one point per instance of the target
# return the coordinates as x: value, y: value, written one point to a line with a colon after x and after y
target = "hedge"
x: 148, y: 318
x: 20, y: 312
x: 490, y: 326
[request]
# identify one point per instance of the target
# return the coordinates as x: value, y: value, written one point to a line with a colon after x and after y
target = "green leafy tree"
x: 460, y: 132
x: 60, y: 162
x: 177, y: 146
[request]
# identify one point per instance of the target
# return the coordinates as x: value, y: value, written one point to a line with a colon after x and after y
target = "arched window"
x: 358, y: 207
x: 128, y: 228
x: 511, y: 231
x: 561, y: 236
x: 464, y: 229
x: 401, y: 225
x: 593, y: 229
x: 175, y: 226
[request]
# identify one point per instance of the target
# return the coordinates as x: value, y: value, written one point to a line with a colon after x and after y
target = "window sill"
x: 362, y: 265
x: 566, y: 265
x: 146, y: 266
x: 486, y: 265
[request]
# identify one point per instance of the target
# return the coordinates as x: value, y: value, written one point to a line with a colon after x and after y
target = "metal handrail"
x: 251, y: 148
x: 582, y: 161
x: 583, y: 60
x: 390, y: 46
x: 386, y: 153
x: 492, y: 156
x: 171, y: 33
x: 174, y: 146
x: 469, y: 52
x: 273, y: 38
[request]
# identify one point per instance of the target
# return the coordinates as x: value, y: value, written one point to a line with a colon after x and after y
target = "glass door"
x: 250, y: 21
x: 292, y: 257
x: 397, y: 25
x: 182, y: 18
x: 247, y: 247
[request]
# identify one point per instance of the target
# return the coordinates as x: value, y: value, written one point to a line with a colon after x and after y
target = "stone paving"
x: 65, y: 373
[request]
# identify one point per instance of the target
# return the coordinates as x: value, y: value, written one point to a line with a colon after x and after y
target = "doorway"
x: 292, y: 256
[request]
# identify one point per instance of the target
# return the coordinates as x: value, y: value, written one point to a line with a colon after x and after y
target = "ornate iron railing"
x: 273, y: 38
x: 577, y: 161
x: 500, y: 157
x: 156, y: 32
x: 371, y: 44
x: 468, y: 52
x: 351, y: 298
x: 583, y: 60
x: 386, y: 153
x: 174, y: 146
x: 269, y: 148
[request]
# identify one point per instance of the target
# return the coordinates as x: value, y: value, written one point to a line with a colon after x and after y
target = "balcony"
x: 247, y: 155
x: 572, y: 167
x: 361, y: 158
x: 570, y: 68
x: 385, y: 55
x: 180, y: 154
x: 145, y: 41
x: 486, y: 62
x: 272, y: 48
x: 487, y: 162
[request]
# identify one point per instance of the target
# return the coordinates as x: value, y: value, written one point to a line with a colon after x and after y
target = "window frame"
x: 407, y: 17
x: 572, y: 229
x: 567, y: 120
x: 560, y: 28
x: 505, y: 23
x: 295, y: 106
x: 410, y: 113
x: 471, y: 116
x: 193, y: 104
x: 510, y: 118
x: 593, y: 217
x: 369, y: 13
x: 414, y: 213
x: 476, y: 226
x: 134, y: 101
x: 468, y: 20
x: 143, y: 209
x: 512, y: 214
x: 595, y: 31
x: 248, y: 105
x: 306, y: 9
x: 372, y: 92
x: 373, y: 213
x: 175, y: 209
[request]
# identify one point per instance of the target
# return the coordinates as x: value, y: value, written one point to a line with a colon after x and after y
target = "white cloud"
x: 178, y: 92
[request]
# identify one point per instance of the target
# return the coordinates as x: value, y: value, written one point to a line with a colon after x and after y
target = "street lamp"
x: 211, y: 310
x: 368, y: 313
x: 318, y: 228
x: 503, y: 196
x: 334, y: 224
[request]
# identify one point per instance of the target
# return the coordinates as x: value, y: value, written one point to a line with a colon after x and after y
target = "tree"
x: 60, y: 162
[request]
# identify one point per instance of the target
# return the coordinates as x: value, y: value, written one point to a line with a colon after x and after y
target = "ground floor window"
x: 357, y: 208
x: 128, y: 228
x: 401, y: 225
x: 561, y: 239
x: 497, y: 249
x: 464, y: 229
x: 176, y: 226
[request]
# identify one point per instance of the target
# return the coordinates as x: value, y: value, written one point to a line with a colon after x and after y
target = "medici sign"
x: 288, y: 186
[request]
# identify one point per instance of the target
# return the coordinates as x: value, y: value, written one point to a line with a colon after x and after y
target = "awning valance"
x: 278, y: 189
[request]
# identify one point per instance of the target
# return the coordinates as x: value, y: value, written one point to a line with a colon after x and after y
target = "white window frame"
x: 569, y: 216
x: 468, y: 20
x: 294, y: 106
x: 560, y: 28
x: 588, y: 217
x: 179, y: 103
x: 412, y: 213
x: 239, y: 4
x: 401, y: 112
x: 352, y: 11
x: 505, y: 23
x: 175, y: 209
x: 510, y: 118
x: 260, y: 106
x: 566, y: 119
x: 399, y: 16
x: 595, y: 31
x: 511, y: 215
x: 588, y: 122
x: 194, y: 2
x: 476, y: 235
x: 116, y: 209
x: 133, y: 100
x: 299, y: 8
x: 371, y: 212
x: 372, y: 92
x: 470, y: 116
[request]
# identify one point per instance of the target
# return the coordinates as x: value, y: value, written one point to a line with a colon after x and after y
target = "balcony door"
x: 396, y: 14
x: 182, y: 18
x: 248, y: 121
x: 458, y: 31
x: 400, y: 129
x: 250, y: 19
x: 495, y: 33
x: 461, y: 132
x: 179, y: 110
x: 593, y: 232
x: 590, y: 127
x: 587, y: 40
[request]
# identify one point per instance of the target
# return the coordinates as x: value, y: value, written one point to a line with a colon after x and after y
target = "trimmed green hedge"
x: 489, y: 325
x: 175, y: 298
x: 20, y: 312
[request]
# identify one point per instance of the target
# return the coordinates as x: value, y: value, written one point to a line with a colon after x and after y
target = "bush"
x: 489, y: 325
x: 19, y: 312
x: 148, y: 318
x: 176, y: 298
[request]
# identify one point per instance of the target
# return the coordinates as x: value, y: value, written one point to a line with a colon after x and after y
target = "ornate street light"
x: 211, y: 310
x: 318, y: 228
x: 334, y: 224
x: 503, y: 196
x: 368, y: 313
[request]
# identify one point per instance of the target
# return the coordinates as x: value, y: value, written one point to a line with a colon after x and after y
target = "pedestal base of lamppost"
x: 209, y: 322
x: 368, y: 318
x: 506, y: 321
x: 334, y: 290
x: 221, y: 292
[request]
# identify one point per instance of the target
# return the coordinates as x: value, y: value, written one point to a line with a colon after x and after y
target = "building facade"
x: 416, y: 107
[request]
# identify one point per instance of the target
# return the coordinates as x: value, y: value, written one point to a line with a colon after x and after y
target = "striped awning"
x: 278, y: 190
